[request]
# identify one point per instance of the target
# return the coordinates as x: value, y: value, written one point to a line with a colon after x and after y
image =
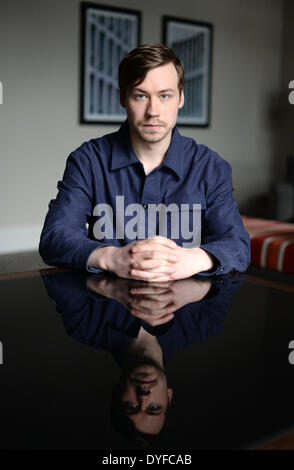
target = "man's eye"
x: 164, y: 96
x: 139, y: 96
x: 153, y: 407
x: 130, y: 406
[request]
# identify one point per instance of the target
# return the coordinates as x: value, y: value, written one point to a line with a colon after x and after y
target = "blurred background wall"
x: 286, y: 114
x: 251, y: 119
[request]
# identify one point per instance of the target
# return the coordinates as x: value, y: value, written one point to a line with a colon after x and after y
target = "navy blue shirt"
x: 190, y: 176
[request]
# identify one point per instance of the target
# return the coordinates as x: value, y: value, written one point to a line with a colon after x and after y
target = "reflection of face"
x: 145, y: 398
x: 152, y: 106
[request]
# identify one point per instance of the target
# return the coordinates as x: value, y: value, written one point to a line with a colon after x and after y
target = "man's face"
x: 145, y: 398
x: 152, y: 106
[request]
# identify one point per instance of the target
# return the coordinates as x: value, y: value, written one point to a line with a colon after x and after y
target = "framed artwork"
x: 107, y: 35
x: 192, y: 43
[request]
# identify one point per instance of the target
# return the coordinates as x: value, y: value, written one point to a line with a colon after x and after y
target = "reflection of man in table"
x: 142, y: 395
x: 165, y: 317
x: 158, y: 206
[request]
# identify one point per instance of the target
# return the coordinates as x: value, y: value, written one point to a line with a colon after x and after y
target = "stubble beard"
x: 152, y: 136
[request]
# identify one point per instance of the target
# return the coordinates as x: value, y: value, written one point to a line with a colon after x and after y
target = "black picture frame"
x: 192, y: 42
x: 107, y: 35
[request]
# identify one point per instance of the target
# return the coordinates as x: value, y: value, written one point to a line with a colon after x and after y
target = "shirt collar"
x: 174, y: 159
x: 123, y: 154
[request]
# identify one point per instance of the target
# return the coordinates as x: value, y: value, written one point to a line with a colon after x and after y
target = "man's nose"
x: 144, y: 400
x: 152, y: 108
x: 143, y: 389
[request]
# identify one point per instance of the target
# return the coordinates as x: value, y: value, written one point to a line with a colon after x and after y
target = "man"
x: 146, y: 165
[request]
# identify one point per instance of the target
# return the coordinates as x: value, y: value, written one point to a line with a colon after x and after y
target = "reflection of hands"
x: 154, y: 303
x: 158, y: 304
x: 112, y: 287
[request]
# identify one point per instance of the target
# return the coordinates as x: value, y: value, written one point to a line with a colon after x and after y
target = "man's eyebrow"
x: 150, y: 413
x: 139, y: 89
x: 137, y: 410
x: 160, y: 91
x: 167, y: 89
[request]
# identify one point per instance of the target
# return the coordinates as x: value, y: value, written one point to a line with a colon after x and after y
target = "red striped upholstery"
x: 272, y: 243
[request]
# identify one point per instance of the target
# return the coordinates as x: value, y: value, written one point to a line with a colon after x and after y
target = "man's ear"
x: 170, y: 394
x: 182, y: 99
x: 122, y: 99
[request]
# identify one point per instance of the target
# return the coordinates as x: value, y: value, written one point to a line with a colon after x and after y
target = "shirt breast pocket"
x: 184, y: 216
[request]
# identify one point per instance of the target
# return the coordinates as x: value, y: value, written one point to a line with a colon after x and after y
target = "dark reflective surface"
x: 198, y: 364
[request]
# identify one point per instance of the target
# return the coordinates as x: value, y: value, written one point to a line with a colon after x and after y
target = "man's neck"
x: 151, y: 155
x: 146, y: 345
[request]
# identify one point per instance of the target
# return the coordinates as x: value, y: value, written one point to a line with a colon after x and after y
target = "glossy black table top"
x: 226, y: 357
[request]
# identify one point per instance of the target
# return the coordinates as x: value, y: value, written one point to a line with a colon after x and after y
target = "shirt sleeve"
x: 223, y: 233
x: 64, y: 238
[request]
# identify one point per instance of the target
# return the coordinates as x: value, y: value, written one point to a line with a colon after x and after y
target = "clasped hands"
x: 154, y: 303
x: 156, y: 259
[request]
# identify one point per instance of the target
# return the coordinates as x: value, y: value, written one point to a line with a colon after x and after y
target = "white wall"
x: 286, y: 110
x: 39, y: 123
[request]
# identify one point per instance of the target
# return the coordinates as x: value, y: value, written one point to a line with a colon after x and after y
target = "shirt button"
x: 145, y: 205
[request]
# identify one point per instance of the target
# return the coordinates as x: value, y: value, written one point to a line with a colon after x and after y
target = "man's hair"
x: 137, y: 63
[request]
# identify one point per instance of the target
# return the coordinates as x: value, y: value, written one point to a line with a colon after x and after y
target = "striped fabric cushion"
x: 272, y: 243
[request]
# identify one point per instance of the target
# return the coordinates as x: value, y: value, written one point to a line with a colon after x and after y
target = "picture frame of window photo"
x: 192, y: 43
x: 107, y: 35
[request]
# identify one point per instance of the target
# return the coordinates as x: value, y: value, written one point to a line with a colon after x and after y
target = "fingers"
x: 154, y: 312
x: 143, y: 245
x: 153, y: 321
x: 152, y: 301
x: 152, y: 288
x: 152, y: 317
x: 151, y: 304
x: 159, y: 255
x: 161, y: 274
x: 150, y: 276
x: 153, y: 258
x: 155, y: 266
x: 143, y: 287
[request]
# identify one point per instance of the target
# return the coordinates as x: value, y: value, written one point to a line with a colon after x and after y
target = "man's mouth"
x: 144, y: 381
x: 144, y: 384
x: 144, y: 377
x: 153, y: 125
